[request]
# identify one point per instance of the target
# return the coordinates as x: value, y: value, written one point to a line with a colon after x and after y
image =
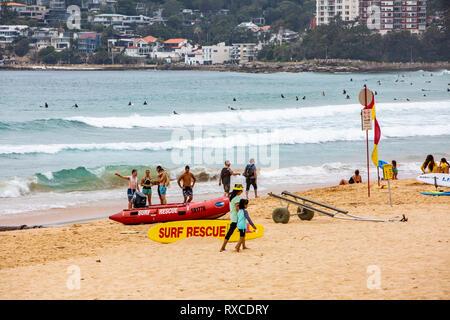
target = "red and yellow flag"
x: 377, y: 133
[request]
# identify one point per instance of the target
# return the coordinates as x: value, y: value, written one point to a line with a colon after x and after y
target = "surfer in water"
x: 129, y: 103
x: 356, y: 178
x: 304, y: 98
x: 174, y: 112
x: 46, y: 105
x: 282, y: 96
x: 133, y: 186
x: 296, y: 98
x: 145, y: 102
x: 188, y: 184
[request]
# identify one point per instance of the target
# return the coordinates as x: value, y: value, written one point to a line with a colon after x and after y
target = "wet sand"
x: 323, y: 258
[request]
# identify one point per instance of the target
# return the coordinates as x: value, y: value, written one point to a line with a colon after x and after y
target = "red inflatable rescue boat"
x: 210, y: 209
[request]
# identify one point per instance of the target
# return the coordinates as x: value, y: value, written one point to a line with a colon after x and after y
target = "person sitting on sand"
x: 356, y: 178
x: 133, y: 186
x: 187, y: 178
x: 394, y: 170
x: 163, y: 184
x: 429, y: 165
x: 225, y: 177
x: 443, y: 166
x: 243, y: 217
x: 234, y: 207
x: 146, y: 183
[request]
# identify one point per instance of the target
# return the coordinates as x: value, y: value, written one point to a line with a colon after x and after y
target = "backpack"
x: 249, y: 171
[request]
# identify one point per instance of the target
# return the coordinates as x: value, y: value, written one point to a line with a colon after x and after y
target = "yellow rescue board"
x: 173, y: 231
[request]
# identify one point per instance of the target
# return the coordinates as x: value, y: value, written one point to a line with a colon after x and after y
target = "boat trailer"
x: 307, y: 207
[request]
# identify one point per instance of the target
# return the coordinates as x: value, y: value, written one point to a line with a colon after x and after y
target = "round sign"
x: 365, y: 94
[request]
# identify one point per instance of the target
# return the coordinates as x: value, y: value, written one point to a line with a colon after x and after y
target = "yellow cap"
x: 238, y: 186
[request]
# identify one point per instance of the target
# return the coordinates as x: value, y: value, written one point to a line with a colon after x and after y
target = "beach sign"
x: 365, y: 97
x: 366, y: 119
x: 387, y: 171
x: 173, y: 231
x: 388, y: 174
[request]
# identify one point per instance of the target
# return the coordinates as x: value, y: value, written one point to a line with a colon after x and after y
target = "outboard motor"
x: 139, y: 200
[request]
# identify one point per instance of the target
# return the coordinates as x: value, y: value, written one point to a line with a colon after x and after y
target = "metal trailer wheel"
x: 280, y: 215
x: 305, y: 214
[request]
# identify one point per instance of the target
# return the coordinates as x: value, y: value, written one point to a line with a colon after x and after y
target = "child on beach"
x: 243, y: 217
x: 443, y: 166
x: 394, y: 169
x: 429, y: 165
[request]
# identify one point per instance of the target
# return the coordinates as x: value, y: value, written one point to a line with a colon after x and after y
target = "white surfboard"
x: 442, y: 179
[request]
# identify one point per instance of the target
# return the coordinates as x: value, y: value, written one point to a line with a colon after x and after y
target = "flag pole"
x: 367, y: 147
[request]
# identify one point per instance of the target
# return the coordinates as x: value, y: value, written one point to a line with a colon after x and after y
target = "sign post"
x: 388, y: 174
x: 366, y: 98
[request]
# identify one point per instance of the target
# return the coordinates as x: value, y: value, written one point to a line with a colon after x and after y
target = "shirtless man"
x: 133, y: 186
x: 163, y: 183
x: 187, y: 178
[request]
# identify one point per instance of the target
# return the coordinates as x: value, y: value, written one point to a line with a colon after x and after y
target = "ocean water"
x: 63, y: 156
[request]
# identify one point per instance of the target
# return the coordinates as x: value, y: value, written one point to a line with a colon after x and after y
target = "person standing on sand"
x: 146, y: 183
x: 225, y: 177
x: 243, y: 217
x: 133, y: 186
x: 251, y: 178
x: 356, y: 178
x: 394, y: 170
x: 163, y: 184
x: 187, y: 178
x: 234, y: 207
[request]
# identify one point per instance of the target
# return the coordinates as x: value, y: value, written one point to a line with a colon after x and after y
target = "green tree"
x: 22, y: 47
x: 126, y: 7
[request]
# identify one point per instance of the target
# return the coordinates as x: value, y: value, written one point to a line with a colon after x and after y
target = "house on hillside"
x: 88, y: 42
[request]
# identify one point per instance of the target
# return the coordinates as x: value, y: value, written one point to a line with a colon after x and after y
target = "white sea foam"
x: 16, y: 187
x: 242, y: 138
x: 268, y: 179
x: 259, y: 117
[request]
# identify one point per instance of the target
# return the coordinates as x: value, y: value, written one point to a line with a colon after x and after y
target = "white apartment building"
x: 217, y: 54
x: 9, y: 33
x: 327, y: 9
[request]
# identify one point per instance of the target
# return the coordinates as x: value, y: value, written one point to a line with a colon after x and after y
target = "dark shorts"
x: 130, y: 193
x: 233, y: 226
x: 187, y: 192
x: 251, y: 182
x: 226, y: 188
x: 241, y: 232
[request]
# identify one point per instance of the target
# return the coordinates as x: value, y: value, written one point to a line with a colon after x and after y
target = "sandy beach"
x: 319, y: 259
